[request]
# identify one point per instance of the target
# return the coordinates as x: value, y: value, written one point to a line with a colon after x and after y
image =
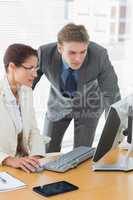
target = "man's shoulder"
x: 97, y: 48
x: 49, y: 46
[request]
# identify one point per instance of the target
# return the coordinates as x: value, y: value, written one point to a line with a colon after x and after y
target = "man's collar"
x: 65, y: 65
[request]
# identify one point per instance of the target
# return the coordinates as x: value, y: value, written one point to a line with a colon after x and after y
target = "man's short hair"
x: 73, y: 33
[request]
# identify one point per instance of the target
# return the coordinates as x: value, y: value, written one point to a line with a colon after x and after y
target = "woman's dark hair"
x: 17, y: 54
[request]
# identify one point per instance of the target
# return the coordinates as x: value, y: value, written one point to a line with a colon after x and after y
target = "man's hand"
x: 28, y: 164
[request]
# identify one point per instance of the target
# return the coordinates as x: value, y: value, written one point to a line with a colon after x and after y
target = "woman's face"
x: 26, y: 72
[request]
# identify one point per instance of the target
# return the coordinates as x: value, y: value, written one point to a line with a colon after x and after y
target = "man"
x: 83, y: 84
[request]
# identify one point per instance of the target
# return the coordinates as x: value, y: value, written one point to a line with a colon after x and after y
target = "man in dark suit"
x: 83, y: 84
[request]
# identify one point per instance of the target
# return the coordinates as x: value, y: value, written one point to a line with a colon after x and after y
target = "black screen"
x: 108, y: 135
x: 55, y: 188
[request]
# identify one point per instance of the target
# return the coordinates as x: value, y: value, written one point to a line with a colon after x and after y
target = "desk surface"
x: 92, y: 185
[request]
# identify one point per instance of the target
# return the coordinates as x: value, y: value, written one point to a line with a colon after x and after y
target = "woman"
x: 21, y: 145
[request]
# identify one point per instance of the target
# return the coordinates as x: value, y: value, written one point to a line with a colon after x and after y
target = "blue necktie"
x: 70, y: 84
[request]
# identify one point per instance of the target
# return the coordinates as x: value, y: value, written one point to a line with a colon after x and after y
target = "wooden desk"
x: 92, y: 185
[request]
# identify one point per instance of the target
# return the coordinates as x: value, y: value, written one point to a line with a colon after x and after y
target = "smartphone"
x: 55, y: 188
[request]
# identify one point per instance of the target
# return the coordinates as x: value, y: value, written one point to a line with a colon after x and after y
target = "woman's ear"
x: 11, y: 66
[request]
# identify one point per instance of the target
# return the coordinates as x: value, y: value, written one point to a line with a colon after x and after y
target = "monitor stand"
x: 124, y: 163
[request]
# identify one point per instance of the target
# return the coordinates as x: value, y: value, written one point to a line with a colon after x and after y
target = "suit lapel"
x: 83, y: 74
x: 87, y: 71
x: 55, y: 69
x: 23, y: 100
x: 8, y: 99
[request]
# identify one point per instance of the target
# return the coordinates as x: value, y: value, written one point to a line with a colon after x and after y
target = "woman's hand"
x: 27, y: 163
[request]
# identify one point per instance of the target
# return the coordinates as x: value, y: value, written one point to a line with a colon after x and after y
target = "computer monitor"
x: 119, y: 118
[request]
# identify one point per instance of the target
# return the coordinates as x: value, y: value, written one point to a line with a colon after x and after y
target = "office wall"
x: 37, y: 22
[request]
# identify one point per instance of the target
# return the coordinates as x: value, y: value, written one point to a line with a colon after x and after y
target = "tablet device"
x: 55, y: 188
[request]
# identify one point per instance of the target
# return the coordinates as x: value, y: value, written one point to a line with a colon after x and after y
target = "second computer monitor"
x: 108, y: 136
x: 117, y: 121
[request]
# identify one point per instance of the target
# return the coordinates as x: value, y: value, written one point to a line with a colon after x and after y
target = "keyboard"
x: 69, y: 160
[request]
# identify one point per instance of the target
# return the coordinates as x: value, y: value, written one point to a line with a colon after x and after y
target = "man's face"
x: 73, y: 53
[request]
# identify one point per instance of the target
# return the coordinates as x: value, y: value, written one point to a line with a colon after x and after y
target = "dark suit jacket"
x: 97, y: 84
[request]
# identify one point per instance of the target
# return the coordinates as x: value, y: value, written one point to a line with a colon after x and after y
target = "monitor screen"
x: 108, y: 135
x: 117, y: 121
